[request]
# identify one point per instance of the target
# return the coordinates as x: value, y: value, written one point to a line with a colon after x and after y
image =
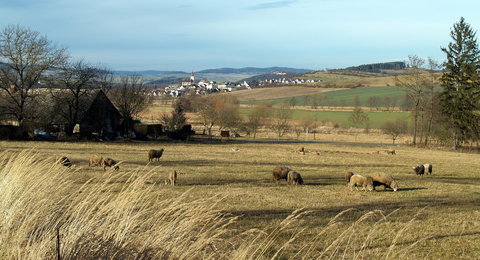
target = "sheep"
x: 428, y: 168
x: 376, y: 152
x: 109, y: 162
x: 280, y: 173
x: 63, y: 160
x: 392, y: 152
x: 300, y: 150
x: 348, y: 175
x: 294, y: 178
x: 419, y: 169
x: 95, y: 160
x: 359, y: 180
x: 384, y: 179
x: 152, y: 154
x: 171, y: 178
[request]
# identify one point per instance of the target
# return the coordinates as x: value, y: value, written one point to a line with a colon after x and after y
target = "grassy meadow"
x: 376, y: 119
x: 226, y: 206
x: 340, y: 97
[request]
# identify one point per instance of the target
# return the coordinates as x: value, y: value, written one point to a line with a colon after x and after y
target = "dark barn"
x: 101, y: 117
x: 97, y: 118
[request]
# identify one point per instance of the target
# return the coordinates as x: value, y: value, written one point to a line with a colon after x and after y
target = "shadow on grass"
x: 453, y: 180
x: 269, y: 165
x: 324, y: 214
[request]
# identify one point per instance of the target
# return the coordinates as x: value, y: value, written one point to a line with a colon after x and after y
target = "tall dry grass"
x: 46, y: 215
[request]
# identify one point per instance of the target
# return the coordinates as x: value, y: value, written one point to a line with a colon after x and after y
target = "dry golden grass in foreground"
x: 226, y: 206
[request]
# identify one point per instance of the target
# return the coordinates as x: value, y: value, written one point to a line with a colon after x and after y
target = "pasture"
x: 338, y: 97
x: 376, y: 119
x: 432, y: 217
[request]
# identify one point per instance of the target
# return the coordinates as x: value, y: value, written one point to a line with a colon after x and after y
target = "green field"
x: 341, y: 117
x: 343, y: 97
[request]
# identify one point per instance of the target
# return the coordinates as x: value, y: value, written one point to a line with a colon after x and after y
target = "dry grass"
x: 225, y: 205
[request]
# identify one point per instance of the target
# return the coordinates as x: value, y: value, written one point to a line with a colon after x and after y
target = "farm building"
x: 98, y: 117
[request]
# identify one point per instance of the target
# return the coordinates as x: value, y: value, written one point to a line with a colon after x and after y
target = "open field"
x: 342, y: 97
x: 356, y: 78
x: 341, y: 117
x: 239, y: 175
x: 276, y: 93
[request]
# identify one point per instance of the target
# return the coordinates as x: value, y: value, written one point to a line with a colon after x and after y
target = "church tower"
x: 192, y: 78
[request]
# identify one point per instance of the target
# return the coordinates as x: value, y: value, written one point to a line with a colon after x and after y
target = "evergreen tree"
x: 461, y: 83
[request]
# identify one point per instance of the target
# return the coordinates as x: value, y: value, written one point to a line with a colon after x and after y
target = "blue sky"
x: 193, y: 34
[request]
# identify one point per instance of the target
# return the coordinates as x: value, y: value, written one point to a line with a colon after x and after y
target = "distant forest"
x: 378, y: 67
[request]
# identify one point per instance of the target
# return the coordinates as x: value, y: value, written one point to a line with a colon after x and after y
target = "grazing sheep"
x: 171, y: 178
x: 294, y: 178
x: 392, y: 152
x: 301, y: 150
x: 428, y: 168
x: 376, y: 152
x: 152, y: 154
x: 348, y: 175
x: 359, y: 180
x: 63, y: 160
x: 109, y: 162
x: 280, y: 173
x: 419, y: 169
x: 384, y: 179
x: 95, y: 160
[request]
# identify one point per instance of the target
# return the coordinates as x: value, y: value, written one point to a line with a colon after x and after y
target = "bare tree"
x: 389, y: 103
x: 374, y: 102
x: 307, y: 123
x: 228, y: 110
x: 70, y: 88
x: 358, y: 118
x: 414, y: 85
x: 105, y: 79
x: 130, y: 98
x: 206, y: 108
x: 256, y: 118
x: 432, y: 109
x: 24, y: 57
x: 281, y: 119
x: 297, y: 129
x: 395, y: 128
x: 176, y: 119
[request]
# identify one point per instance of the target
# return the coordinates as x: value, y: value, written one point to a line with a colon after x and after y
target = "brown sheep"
x: 279, y: 173
x: 95, y: 160
x: 63, y: 160
x: 384, y: 179
x: 348, y: 175
x: 392, y: 152
x: 109, y: 162
x: 376, y: 152
x: 359, y: 180
x: 300, y: 150
x: 294, y: 178
x: 171, y: 178
x: 152, y: 154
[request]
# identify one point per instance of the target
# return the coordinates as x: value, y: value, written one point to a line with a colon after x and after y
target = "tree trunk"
x: 415, y: 119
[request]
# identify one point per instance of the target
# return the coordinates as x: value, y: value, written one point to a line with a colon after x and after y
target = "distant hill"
x: 147, y: 72
x: 254, y: 70
x: 270, y: 75
x: 220, y: 74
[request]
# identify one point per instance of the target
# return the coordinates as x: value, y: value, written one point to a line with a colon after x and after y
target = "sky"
x: 192, y: 35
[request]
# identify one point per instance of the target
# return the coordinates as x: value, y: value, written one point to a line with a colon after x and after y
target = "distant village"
x: 204, y: 87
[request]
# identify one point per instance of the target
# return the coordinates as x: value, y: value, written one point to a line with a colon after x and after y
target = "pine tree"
x: 461, y: 83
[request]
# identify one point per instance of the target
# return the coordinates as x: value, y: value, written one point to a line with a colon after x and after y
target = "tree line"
x: 40, y: 83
